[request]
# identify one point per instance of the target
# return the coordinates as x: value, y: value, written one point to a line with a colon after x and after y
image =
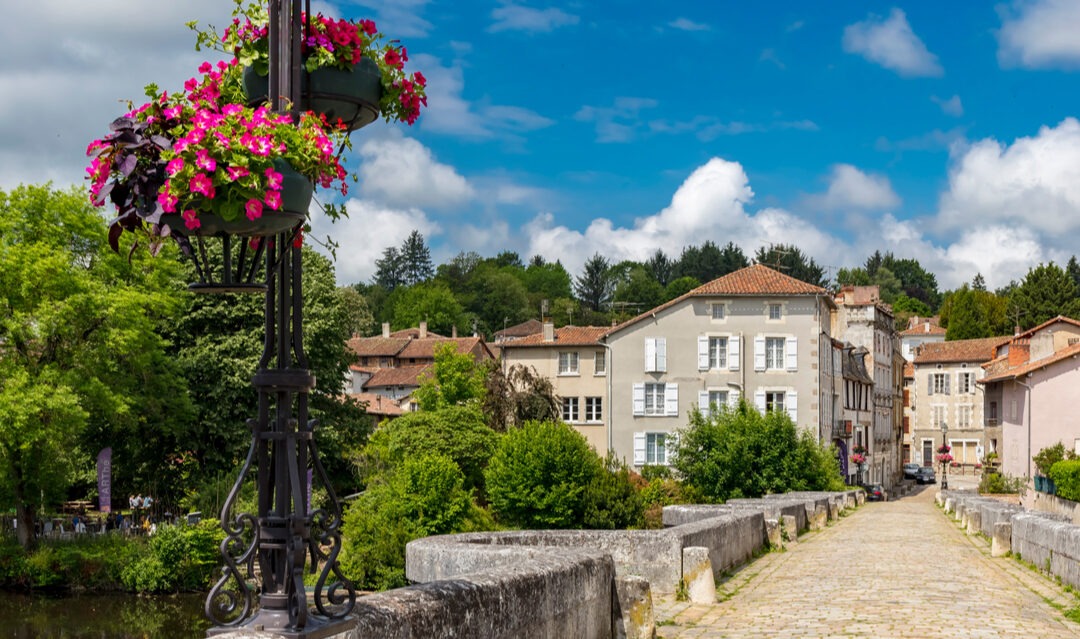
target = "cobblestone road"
x: 894, y: 569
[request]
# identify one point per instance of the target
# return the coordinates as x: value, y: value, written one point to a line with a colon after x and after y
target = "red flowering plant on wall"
x: 858, y: 458
x: 327, y: 43
x: 202, y: 150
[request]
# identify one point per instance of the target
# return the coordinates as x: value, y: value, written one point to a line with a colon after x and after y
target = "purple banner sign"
x: 104, y: 480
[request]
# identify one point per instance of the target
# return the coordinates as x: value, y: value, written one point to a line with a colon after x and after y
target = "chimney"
x: 423, y: 330
x: 1016, y: 330
x: 549, y: 332
x: 926, y: 327
x: 386, y: 329
x: 1019, y: 352
x: 453, y: 331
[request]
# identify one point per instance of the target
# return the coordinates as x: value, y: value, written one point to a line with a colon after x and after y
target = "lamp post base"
x: 272, y: 625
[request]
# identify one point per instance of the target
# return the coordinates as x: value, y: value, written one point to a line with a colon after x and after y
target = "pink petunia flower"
x: 174, y: 166
x: 253, y: 209
x: 273, y: 178
x: 273, y: 199
x: 166, y: 200
x: 204, y: 161
x: 190, y: 219
x: 236, y: 172
x: 202, y: 184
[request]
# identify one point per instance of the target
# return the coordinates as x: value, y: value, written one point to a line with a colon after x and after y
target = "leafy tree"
x: 504, y: 301
x: 1045, y: 293
x: 660, y: 267
x: 415, y: 260
x: 456, y: 379
x: 425, y: 496
x: 853, y: 277
x: 916, y: 281
x: 967, y: 316
x: 612, y: 501
x: 680, y: 286
x: 709, y: 261
x: 741, y: 453
x: 83, y: 360
x: 791, y: 261
x: 456, y: 273
x: 518, y: 395
x: 539, y: 475
x: 433, y: 303
x: 889, y: 286
x: 458, y: 432
x: 1073, y: 269
x: 639, y: 292
x: 548, y: 281
x: 594, y: 286
x: 905, y: 307
x: 508, y: 259
x: 389, y: 269
x: 358, y: 317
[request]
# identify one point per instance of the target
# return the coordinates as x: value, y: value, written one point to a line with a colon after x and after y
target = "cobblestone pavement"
x: 895, y: 569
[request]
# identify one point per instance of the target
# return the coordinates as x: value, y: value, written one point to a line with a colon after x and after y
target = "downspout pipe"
x: 1027, y: 408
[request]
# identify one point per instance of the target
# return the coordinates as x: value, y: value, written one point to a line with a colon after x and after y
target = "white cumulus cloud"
x: 400, y: 172
x: 850, y: 188
x: 891, y: 43
x: 1040, y: 34
x: 513, y: 17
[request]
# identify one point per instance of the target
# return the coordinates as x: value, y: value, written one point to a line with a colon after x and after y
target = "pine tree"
x: 1045, y: 293
x: 967, y: 316
x: 388, y: 270
x: 979, y: 284
x: 594, y: 286
x: 660, y: 267
x: 416, y: 259
x: 789, y: 260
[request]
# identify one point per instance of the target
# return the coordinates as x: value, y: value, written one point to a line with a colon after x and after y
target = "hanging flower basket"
x: 350, y: 96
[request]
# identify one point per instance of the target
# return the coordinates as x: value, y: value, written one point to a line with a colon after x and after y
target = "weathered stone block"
x: 772, y: 531
x: 698, y: 575
x: 950, y: 504
x: 790, y: 530
x: 632, y: 610
x: 1001, y: 542
x: 974, y: 521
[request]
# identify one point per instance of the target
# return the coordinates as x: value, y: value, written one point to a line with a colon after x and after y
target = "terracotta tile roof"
x: 401, y: 376
x: 377, y: 346
x: 996, y: 366
x: 961, y: 350
x: 523, y: 329
x: 926, y: 328
x: 1060, y: 318
x: 754, y: 280
x: 1027, y: 367
x: 565, y: 336
x: 859, y: 295
x: 363, y: 369
x: 412, y: 333
x: 909, y: 370
x: 425, y: 348
x: 376, y: 404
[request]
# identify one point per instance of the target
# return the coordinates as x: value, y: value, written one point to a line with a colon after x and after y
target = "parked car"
x: 925, y: 476
x: 911, y: 469
x: 875, y: 492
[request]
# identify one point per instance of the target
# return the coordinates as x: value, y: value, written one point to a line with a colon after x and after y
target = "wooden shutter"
x: 650, y: 354
x: 703, y: 401
x: 733, y: 355
x: 791, y: 353
x: 639, y: 449
x: 791, y: 404
x: 947, y: 376
x: 661, y: 354
x: 639, y: 398
x: 703, y: 352
x: 759, y: 353
x: 733, y: 398
x: 929, y: 383
x: 671, y: 400
x: 759, y: 400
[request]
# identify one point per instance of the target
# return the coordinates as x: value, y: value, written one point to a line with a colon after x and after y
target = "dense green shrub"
x: 423, y: 496
x: 1047, y: 457
x: 1066, y: 476
x: 539, y: 476
x: 612, y: 501
x: 458, y: 432
x: 739, y: 452
x: 175, y: 559
x: 994, y: 483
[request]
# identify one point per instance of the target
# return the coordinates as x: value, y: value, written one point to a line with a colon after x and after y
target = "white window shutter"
x: 733, y: 398
x: 671, y: 400
x: 703, y: 401
x: 650, y: 354
x: 639, y: 449
x: 759, y: 400
x: 703, y: 352
x: 791, y: 352
x: 929, y: 383
x: 733, y: 356
x: 639, y: 398
x: 791, y: 404
x: 661, y: 354
x: 759, y: 353
x: 947, y: 383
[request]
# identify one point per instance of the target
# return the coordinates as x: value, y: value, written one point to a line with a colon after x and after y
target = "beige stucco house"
x: 575, y: 361
x: 755, y: 333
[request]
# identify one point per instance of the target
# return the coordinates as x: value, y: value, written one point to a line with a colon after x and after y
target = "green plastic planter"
x: 351, y: 96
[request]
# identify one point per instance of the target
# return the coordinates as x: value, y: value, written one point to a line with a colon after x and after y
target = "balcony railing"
x: 993, y: 421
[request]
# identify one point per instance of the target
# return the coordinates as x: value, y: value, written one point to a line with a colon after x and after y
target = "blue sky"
x: 940, y: 131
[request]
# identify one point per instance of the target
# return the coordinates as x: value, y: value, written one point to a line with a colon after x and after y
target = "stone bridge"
x: 904, y: 568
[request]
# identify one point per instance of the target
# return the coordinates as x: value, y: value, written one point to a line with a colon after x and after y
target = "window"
x: 719, y: 399
x: 568, y: 363
x: 593, y: 406
x: 965, y: 383
x: 993, y: 412
x: 719, y: 311
x: 655, y: 354
x: 656, y: 448
x: 774, y: 352
x: 774, y: 401
x: 775, y: 311
x: 654, y: 399
x: 600, y: 363
x: 937, y: 416
x: 1012, y: 409
x: 963, y: 416
x: 717, y: 352
x: 570, y: 409
x: 938, y: 384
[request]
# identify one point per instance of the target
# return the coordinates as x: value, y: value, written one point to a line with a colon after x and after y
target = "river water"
x: 36, y: 616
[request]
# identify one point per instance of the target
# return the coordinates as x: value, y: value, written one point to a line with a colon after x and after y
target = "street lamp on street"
x: 944, y: 464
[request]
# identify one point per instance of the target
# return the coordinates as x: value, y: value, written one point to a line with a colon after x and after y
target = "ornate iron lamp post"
x: 944, y: 464
x: 274, y: 545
